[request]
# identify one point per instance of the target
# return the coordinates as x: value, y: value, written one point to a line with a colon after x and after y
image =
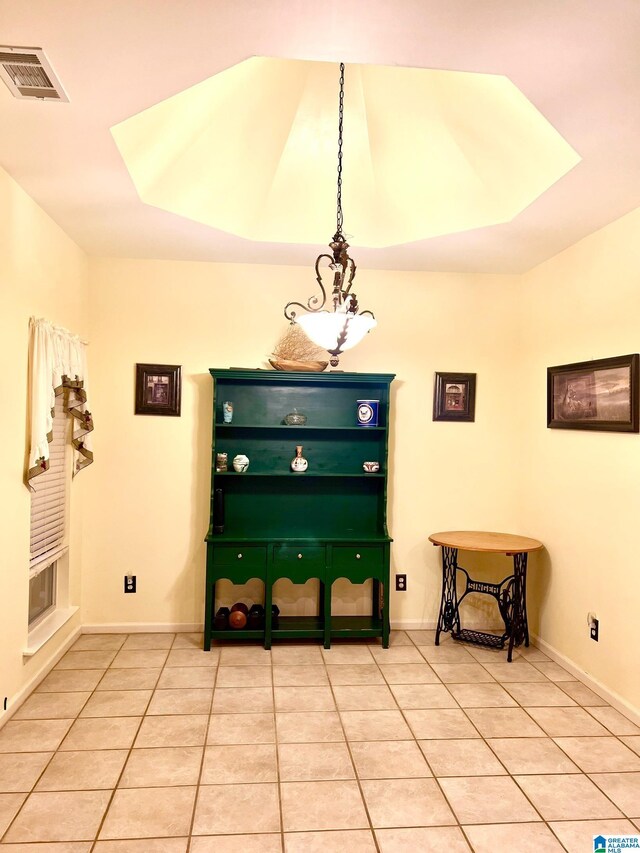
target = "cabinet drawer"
x: 357, y: 557
x: 306, y: 557
x: 248, y: 556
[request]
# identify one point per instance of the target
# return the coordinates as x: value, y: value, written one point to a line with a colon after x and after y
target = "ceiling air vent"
x: 28, y: 74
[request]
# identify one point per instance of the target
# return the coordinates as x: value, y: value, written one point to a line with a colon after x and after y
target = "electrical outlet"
x: 129, y: 583
x: 401, y: 583
x: 594, y: 629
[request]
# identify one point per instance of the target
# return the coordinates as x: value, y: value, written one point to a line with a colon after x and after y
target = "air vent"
x: 28, y: 74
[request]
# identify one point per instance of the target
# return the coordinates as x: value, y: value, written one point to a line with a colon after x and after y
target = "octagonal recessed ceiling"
x: 253, y: 151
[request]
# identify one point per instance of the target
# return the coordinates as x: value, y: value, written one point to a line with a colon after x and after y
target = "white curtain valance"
x: 58, y: 360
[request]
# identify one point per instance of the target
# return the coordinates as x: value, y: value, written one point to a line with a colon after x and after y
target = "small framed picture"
x: 158, y: 389
x: 454, y: 397
x: 598, y: 395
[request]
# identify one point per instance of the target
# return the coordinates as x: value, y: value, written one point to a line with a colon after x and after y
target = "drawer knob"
x: 357, y: 556
x: 299, y: 556
x: 239, y: 556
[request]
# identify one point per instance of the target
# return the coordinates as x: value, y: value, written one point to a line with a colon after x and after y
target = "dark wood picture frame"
x: 158, y: 389
x: 454, y: 397
x: 597, y: 395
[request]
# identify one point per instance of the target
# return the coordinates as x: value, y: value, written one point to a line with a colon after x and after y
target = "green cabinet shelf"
x: 329, y: 522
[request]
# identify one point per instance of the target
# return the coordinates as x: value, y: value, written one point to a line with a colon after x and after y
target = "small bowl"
x: 371, y: 467
x: 295, y: 419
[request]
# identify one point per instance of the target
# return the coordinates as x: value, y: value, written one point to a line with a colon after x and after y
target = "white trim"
x: 45, y: 630
x: 431, y: 625
x: 144, y: 628
x: 45, y: 561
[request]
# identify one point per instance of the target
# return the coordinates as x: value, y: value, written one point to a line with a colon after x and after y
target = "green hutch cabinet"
x: 328, y: 522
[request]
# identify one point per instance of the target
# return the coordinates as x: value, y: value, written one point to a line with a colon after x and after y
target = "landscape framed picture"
x: 597, y: 395
x: 454, y: 397
x: 158, y: 389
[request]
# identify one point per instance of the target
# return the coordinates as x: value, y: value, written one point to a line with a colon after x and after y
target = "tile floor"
x: 146, y: 744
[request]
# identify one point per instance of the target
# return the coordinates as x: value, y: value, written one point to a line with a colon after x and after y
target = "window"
x: 48, y: 522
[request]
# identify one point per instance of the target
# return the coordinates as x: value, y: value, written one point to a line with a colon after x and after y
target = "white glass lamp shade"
x: 325, y: 327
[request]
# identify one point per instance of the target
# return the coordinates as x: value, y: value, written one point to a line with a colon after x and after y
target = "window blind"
x: 49, y: 498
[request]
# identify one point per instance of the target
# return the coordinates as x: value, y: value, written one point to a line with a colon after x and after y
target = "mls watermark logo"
x: 615, y: 843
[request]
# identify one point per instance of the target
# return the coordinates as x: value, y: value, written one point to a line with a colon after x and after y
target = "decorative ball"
x: 237, y: 619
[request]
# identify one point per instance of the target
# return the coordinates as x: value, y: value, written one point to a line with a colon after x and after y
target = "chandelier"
x: 342, y: 326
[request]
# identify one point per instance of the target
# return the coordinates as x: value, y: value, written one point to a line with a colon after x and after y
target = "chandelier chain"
x: 340, y: 119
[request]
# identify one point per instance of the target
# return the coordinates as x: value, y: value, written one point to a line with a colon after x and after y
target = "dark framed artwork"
x: 598, y: 395
x: 158, y: 389
x: 454, y: 397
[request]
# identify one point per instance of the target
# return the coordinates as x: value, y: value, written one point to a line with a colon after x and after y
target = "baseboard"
x: 144, y: 628
x: 431, y: 625
x: 34, y: 681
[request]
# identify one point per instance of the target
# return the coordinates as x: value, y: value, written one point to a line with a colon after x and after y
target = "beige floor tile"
x: 616, y: 722
x: 440, y: 723
x: 9, y: 807
x: 117, y: 703
x: 188, y: 641
x: 130, y: 679
x: 633, y: 742
x: 86, y: 660
x: 531, y: 755
x: 623, y: 789
x: 427, y: 638
x: 517, y: 671
x: 599, y: 754
x: 149, y: 813
x: 406, y: 802
x: 102, y: 733
x: 300, y: 676
x: 396, y: 654
x: 354, y: 675
x: 66, y: 816
x: 481, y: 696
x: 244, y: 676
x: 99, y: 643
x: 33, y: 735
x: 504, y: 722
x: 290, y: 655
x: 418, y: 696
x: 564, y: 797
x: 194, y: 657
x: 309, y: 727
x: 462, y: 673
x: 178, y: 730
x: 375, y: 725
x: 368, y: 697
x: 242, y: 700
x: 51, y: 706
x: 389, y: 759
x: 162, y: 767
x: 239, y: 763
x: 409, y: 673
x: 424, y: 838
x: 187, y: 700
x: 241, y: 729
x: 353, y: 840
x: 577, y: 835
x: 450, y: 653
x: 305, y: 698
x: 314, y: 762
x: 236, y: 844
x: 497, y: 800
x: 396, y: 638
x: 149, y: 845
x: 140, y: 659
x: 51, y: 847
x: 148, y: 641
x: 19, y: 771
x: 520, y: 837
x: 237, y: 809
x: 85, y: 770
x: 531, y: 653
x: 467, y: 757
x: 567, y: 722
x: 484, y: 655
x: 244, y: 656
x: 173, y: 678
x: 539, y: 695
x: 70, y: 680
x: 581, y: 693
x: 350, y: 655
x: 554, y: 671
x: 322, y: 805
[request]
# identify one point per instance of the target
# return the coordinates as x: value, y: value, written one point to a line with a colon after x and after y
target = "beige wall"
x: 149, y: 502
x: 42, y: 273
x: 582, y: 489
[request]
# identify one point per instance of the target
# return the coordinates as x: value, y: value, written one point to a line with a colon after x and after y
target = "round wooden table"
x: 510, y: 593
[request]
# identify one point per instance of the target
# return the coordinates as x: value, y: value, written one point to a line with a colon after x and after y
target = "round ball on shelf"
x: 237, y: 619
x: 240, y: 606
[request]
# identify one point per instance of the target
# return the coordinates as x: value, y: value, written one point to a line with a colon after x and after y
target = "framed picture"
x: 158, y: 389
x: 601, y: 395
x: 454, y: 397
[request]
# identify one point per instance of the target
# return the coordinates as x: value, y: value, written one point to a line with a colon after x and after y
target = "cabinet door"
x: 357, y: 562
x: 239, y: 563
x: 299, y: 562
